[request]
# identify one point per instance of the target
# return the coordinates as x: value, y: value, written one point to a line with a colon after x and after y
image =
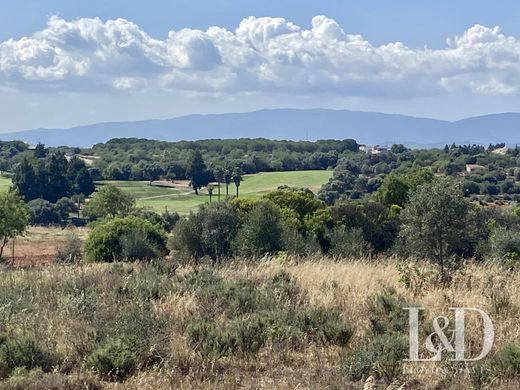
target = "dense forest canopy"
x: 488, y: 172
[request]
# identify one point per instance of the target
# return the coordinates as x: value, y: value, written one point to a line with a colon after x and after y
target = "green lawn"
x: 253, y: 186
x: 5, y: 183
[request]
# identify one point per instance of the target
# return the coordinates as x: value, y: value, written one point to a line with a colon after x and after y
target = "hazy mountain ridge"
x: 295, y: 124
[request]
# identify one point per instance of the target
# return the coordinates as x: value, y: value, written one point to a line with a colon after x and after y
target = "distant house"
x: 500, y: 150
x: 372, y: 149
x: 474, y: 167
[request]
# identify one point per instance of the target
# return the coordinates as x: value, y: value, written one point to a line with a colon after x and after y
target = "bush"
x: 324, y: 326
x: 70, y: 251
x: 170, y: 220
x: 43, y: 212
x: 64, y: 207
x: 209, y: 232
x: 388, y: 315
x: 261, y: 233
x: 135, y: 245
x: 504, y: 244
x: 349, y: 243
x: 249, y: 334
x: 105, y: 241
x: 382, y: 358
x: 208, y: 339
x: 295, y: 243
x: 233, y: 298
x: 507, y: 360
x: 282, y: 291
x: 116, y: 360
x: 24, y: 352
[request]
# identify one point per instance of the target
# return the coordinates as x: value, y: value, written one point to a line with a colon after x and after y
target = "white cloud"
x: 261, y: 55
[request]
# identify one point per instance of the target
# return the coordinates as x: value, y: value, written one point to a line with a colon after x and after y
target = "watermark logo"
x: 446, y: 339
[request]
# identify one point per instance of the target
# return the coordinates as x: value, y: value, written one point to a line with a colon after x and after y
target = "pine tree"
x: 198, y: 171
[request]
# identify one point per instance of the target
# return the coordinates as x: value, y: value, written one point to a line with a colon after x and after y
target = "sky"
x: 65, y: 63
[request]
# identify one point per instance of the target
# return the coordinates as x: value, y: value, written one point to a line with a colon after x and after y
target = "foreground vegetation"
x: 5, y: 183
x: 281, y: 322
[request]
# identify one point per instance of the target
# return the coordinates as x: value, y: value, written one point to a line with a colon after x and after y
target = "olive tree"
x: 14, y: 217
x: 109, y: 201
x: 437, y: 221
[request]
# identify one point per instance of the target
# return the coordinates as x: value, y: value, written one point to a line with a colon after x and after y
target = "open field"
x: 39, y: 245
x: 5, y: 183
x: 182, y: 199
x: 74, y: 313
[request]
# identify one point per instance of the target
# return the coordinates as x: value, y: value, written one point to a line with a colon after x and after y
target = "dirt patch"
x: 182, y: 184
x: 39, y: 245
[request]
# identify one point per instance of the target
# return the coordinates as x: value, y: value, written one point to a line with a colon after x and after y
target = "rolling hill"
x: 312, y: 124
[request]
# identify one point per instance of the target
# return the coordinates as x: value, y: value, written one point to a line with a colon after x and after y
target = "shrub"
x: 349, y: 243
x: 504, y: 244
x: 64, y: 207
x: 116, y: 360
x: 233, y: 298
x: 209, y: 340
x: 43, y: 212
x: 382, y: 358
x: 249, y: 334
x: 24, y: 352
x: 388, y: 315
x: 135, y: 245
x: 170, y: 220
x: 283, y: 291
x: 415, y: 276
x: 324, y: 326
x: 105, y: 240
x: 295, y: 243
x: 261, y: 233
x: 70, y: 251
x: 209, y: 232
x: 507, y: 360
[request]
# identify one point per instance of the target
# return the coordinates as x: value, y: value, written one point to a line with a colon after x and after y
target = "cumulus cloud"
x: 260, y: 55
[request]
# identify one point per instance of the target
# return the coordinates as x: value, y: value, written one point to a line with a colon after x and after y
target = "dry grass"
x: 39, y: 245
x: 347, y: 285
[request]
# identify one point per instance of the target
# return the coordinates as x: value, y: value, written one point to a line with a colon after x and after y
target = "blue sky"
x: 368, y: 55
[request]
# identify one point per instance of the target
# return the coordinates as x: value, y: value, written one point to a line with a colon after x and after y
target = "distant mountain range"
x: 292, y: 124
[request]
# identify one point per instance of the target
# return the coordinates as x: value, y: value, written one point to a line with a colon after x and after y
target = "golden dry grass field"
x: 72, y: 309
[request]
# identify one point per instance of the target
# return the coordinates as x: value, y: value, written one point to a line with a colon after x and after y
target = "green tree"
x: 40, y: 151
x: 83, y: 183
x: 349, y: 243
x: 64, y: 207
x: 397, y: 188
x: 197, y: 171
x: 24, y: 180
x: 209, y: 232
x: 57, y: 185
x: 261, y: 233
x: 14, y: 217
x: 151, y: 172
x: 393, y: 190
x: 109, y: 201
x: 436, y: 220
